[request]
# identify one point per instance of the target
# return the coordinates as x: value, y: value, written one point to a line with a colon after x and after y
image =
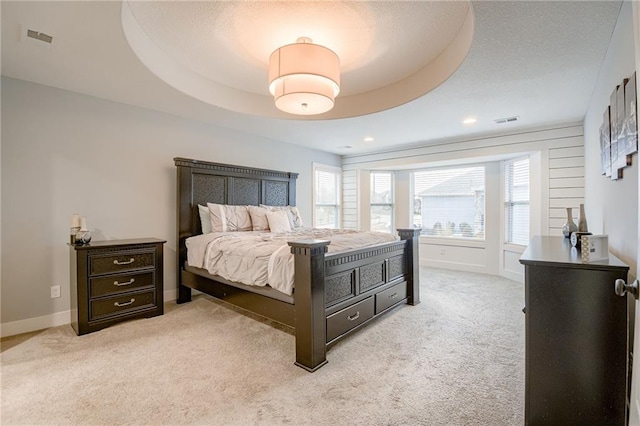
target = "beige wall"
x: 63, y: 153
x: 612, y: 206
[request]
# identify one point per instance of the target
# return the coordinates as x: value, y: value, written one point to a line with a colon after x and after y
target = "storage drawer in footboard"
x: 391, y: 296
x: 348, y: 318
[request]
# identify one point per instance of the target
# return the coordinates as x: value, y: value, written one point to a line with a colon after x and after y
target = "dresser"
x: 115, y: 280
x: 578, y: 337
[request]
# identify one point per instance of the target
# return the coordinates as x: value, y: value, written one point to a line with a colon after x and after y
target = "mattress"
x: 259, y: 258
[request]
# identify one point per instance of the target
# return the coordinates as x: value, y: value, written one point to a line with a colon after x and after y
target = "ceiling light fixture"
x: 304, y: 78
x: 469, y: 120
x: 368, y: 139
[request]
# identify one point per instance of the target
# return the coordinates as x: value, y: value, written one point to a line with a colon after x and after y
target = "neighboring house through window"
x: 449, y: 202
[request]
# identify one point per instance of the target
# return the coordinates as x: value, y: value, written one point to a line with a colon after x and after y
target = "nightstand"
x: 115, y: 280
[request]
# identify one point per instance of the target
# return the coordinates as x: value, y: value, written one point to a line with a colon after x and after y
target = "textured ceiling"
x: 537, y: 60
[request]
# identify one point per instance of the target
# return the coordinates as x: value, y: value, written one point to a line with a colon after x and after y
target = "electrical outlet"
x: 442, y: 252
x: 55, y: 291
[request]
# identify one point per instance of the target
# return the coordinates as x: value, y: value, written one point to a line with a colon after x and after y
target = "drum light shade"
x: 304, y: 78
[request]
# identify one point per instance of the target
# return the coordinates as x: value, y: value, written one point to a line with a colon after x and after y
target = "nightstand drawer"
x: 121, y: 262
x: 391, y: 296
x: 117, y: 305
x: 114, y: 284
x: 348, y: 318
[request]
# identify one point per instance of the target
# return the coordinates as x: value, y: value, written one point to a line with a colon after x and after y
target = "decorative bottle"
x: 569, y: 226
x: 75, y: 227
x: 83, y: 236
x: 582, y: 222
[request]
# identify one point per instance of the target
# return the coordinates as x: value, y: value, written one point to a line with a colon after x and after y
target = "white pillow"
x: 259, y: 218
x: 226, y: 218
x: 205, y: 219
x: 278, y: 221
x: 295, y: 221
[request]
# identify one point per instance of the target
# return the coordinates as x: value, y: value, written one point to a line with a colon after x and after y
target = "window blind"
x: 326, y: 197
x: 516, y: 196
x: 381, y: 200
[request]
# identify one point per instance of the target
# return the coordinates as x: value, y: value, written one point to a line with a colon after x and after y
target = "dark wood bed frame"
x: 335, y: 294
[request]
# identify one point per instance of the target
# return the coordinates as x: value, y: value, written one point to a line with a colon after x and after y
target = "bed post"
x: 412, y: 235
x: 310, y: 317
x: 183, y: 217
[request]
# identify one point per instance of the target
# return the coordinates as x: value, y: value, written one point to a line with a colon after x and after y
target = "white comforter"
x: 261, y: 258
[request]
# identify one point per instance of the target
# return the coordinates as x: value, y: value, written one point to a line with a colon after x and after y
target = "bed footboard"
x: 339, y: 293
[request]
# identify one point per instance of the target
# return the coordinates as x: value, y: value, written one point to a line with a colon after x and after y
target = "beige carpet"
x: 455, y: 359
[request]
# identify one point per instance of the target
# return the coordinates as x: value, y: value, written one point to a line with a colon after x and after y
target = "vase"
x: 582, y: 222
x: 83, y: 237
x: 569, y: 226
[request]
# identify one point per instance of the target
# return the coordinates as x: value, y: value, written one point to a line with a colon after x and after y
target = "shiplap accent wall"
x: 350, y: 199
x: 566, y: 185
x: 557, y: 182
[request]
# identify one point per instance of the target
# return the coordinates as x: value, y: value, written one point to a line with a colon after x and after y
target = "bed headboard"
x: 202, y: 182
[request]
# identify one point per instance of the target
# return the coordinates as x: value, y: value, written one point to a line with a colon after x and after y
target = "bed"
x: 334, y: 294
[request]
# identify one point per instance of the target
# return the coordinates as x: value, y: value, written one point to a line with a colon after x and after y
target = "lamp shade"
x: 304, y: 78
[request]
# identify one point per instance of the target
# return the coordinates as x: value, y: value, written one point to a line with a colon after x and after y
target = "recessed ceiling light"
x: 368, y: 139
x: 469, y: 120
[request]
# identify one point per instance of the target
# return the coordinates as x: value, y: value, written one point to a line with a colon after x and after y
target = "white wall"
x: 557, y: 172
x: 63, y: 153
x: 612, y: 206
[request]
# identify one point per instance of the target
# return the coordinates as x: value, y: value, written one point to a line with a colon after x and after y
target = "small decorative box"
x: 595, y: 248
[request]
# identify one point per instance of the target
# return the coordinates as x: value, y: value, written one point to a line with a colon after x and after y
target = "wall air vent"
x: 506, y: 120
x: 40, y: 36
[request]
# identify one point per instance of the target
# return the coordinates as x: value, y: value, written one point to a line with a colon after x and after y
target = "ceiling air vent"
x: 39, y: 36
x: 506, y: 120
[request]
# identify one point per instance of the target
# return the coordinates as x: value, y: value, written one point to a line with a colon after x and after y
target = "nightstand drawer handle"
x: 131, y: 281
x: 393, y: 296
x: 116, y: 262
x: 354, y: 316
x: 119, y: 305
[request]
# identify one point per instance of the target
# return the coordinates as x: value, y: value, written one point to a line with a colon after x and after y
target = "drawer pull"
x: 393, y: 296
x: 119, y: 305
x: 354, y: 316
x: 116, y: 262
x: 131, y: 281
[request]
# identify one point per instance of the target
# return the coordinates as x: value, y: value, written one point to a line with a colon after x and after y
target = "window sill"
x: 456, y: 242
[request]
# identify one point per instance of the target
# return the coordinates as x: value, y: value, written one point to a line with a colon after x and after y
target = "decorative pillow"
x: 278, y: 221
x: 259, y: 218
x: 226, y: 218
x: 295, y: 221
x: 205, y: 219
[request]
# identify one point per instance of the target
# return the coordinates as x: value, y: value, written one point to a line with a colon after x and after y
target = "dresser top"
x: 118, y: 243
x: 557, y: 251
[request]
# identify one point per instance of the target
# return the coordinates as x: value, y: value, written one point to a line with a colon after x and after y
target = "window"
x: 449, y: 202
x: 381, y: 201
x: 326, y: 196
x: 516, y: 201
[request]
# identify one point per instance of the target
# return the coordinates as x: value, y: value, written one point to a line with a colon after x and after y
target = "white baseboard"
x: 170, y: 295
x: 514, y: 276
x: 34, y: 324
x: 53, y: 320
x: 454, y: 266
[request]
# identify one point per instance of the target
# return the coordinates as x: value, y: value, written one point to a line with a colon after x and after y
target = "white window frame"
x: 338, y: 206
